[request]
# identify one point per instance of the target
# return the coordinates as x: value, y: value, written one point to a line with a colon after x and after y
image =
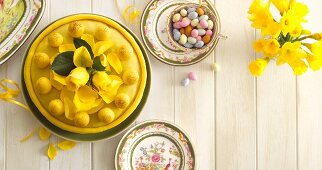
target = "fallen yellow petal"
x: 115, y: 62
x: 70, y: 109
x: 51, y: 152
x: 31, y: 134
x: 66, y: 47
x: 66, y: 145
x: 44, y: 134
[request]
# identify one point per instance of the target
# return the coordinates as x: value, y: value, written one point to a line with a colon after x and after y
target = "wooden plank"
x: 3, y: 113
x: 276, y: 115
x: 80, y: 157
x: 235, y: 95
x: 309, y: 94
x: 195, y: 112
x: 20, y: 122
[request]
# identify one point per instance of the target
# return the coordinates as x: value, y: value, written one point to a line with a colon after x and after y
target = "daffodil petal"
x: 82, y: 58
x: 85, y: 99
x: 89, y: 39
x: 70, y: 110
x: 103, y: 59
x: 101, y: 47
x: 108, y: 94
x: 66, y: 47
x: 51, y: 152
x: 86, y: 94
x: 66, y: 145
x: 115, y: 62
x: 96, y: 109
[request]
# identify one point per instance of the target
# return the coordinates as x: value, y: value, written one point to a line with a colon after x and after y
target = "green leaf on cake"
x: 97, y: 65
x: 63, y: 63
x: 79, y: 42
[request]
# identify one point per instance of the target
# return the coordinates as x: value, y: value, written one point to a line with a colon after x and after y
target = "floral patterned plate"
x: 18, y: 18
x: 156, y: 145
x: 156, y: 39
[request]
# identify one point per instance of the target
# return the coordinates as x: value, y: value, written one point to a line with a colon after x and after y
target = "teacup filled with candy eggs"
x: 193, y: 27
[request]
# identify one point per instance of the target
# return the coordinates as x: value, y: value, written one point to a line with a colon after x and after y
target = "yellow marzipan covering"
x: 31, y: 72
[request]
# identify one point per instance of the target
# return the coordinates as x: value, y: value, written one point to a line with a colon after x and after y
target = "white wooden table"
x: 236, y: 122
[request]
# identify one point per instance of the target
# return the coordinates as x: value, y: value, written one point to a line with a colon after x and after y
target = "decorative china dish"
x: 86, y: 74
x: 18, y: 19
x: 156, y: 37
x: 155, y: 145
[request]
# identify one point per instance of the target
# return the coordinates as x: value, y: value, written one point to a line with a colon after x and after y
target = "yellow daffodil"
x: 300, y: 10
x: 273, y: 28
x: 281, y: 5
x: 299, y: 67
x: 109, y: 93
x: 259, y: 14
x: 315, y: 60
x: 77, y: 78
x: 297, y: 31
x: 101, y: 80
x: 82, y: 58
x: 258, y: 45
x: 258, y: 66
x: 290, y: 52
x: 288, y: 22
x: 271, y: 48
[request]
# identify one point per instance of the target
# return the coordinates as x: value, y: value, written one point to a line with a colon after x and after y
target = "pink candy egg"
x: 209, y: 32
x: 177, y: 25
x: 192, y: 76
x: 184, y: 23
x: 194, y: 33
x: 203, y: 23
x: 199, y: 38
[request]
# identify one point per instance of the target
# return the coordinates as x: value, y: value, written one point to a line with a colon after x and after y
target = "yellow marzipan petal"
x: 66, y: 145
x: 44, y: 134
x: 115, y: 62
x: 51, y: 152
x: 82, y: 58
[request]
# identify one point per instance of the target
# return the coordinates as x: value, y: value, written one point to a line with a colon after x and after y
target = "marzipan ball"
x: 76, y: 29
x: 55, y: 39
x: 102, y: 33
x: 41, y: 60
x: 43, y: 85
x: 56, y: 107
x: 106, y: 115
x: 125, y: 53
x: 130, y: 77
x: 122, y: 100
x: 81, y: 119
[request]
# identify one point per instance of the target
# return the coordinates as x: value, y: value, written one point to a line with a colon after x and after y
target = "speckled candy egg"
x: 122, y: 100
x: 41, y: 60
x: 102, y: 33
x: 56, y: 107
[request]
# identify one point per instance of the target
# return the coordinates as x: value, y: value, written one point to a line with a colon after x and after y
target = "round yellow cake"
x: 77, y: 95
